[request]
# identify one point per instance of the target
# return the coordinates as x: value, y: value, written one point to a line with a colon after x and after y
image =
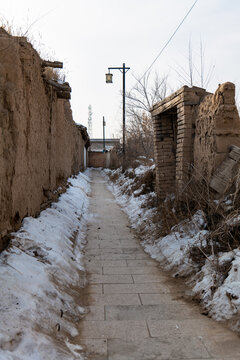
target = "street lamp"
x: 109, y: 76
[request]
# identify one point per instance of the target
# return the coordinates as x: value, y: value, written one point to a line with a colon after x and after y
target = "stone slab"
x: 114, y: 330
x: 139, y: 263
x: 117, y: 256
x: 224, y: 345
x: 187, y: 327
x: 165, y: 311
x: 107, y: 263
x: 115, y: 299
x: 148, y: 288
x: 157, y: 349
x: 94, y: 269
x: 131, y: 270
x: 95, y: 349
x: 154, y: 299
x: 110, y: 279
x: 140, y: 279
x: 94, y: 289
x: 145, y: 320
x: 94, y: 312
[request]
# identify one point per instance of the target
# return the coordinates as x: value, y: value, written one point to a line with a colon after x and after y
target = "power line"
x: 169, y: 40
x: 163, y: 48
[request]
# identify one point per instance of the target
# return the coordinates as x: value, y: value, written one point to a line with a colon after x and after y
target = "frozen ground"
x: 220, y: 295
x: 41, y: 274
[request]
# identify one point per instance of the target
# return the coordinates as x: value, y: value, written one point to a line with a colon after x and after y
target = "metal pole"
x: 104, y: 144
x: 124, y: 71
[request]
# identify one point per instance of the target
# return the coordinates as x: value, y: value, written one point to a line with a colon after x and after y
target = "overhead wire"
x: 168, y: 41
x: 162, y: 49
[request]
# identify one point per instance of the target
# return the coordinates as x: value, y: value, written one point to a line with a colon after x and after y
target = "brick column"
x: 164, y: 153
x: 184, y: 155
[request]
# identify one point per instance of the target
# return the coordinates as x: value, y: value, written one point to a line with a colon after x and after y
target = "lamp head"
x: 109, y: 78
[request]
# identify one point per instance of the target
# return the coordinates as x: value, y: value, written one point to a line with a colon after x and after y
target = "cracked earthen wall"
x: 40, y: 145
x: 217, y: 126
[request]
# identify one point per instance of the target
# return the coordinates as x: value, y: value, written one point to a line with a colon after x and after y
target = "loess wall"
x: 40, y: 145
x: 217, y: 126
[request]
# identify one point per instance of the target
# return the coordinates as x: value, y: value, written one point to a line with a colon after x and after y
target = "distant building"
x: 109, y: 158
x: 97, y: 144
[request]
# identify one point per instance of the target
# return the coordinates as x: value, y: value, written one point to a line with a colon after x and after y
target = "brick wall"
x: 173, y: 120
x: 97, y: 159
x: 192, y: 134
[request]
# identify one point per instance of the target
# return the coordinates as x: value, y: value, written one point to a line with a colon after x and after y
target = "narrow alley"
x: 135, y: 311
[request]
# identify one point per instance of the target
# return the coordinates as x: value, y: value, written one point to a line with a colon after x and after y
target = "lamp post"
x: 109, y: 77
x: 104, y: 144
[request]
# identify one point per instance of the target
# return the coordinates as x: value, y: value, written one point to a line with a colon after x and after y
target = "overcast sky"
x: 91, y: 35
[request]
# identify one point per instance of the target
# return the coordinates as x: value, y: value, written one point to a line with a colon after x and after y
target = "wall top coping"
x: 184, y: 94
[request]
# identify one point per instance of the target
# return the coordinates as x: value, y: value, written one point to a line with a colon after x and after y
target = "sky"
x: 91, y: 35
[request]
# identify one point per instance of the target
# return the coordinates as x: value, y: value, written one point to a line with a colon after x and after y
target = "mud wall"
x: 40, y: 144
x: 217, y: 126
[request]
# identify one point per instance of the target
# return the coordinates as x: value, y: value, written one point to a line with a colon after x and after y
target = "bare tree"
x: 194, y: 74
x: 140, y: 100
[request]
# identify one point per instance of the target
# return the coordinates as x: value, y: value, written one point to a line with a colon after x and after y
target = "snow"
x: 219, y: 291
x: 40, y: 274
x: 132, y: 205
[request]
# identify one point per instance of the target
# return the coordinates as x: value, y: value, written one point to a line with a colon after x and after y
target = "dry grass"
x: 36, y: 42
x: 222, y: 221
x: 53, y: 74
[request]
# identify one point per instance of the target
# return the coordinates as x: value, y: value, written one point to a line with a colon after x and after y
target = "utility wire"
x: 169, y: 40
x: 161, y: 51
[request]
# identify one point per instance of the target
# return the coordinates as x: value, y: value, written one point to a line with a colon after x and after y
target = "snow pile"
x: 41, y: 274
x: 216, y: 281
x: 133, y: 202
x: 173, y: 250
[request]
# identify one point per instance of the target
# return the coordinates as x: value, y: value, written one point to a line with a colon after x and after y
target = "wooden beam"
x: 55, y: 84
x: 53, y: 64
x: 63, y: 95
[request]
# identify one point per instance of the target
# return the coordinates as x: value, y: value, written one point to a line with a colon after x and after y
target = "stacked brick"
x: 164, y: 154
x: 173, y: 120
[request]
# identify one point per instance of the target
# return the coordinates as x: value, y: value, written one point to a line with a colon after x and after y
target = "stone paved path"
x: 136, y: 312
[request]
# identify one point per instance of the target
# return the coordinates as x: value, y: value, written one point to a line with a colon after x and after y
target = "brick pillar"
x: 184, y: 153
x: 165, y: 155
